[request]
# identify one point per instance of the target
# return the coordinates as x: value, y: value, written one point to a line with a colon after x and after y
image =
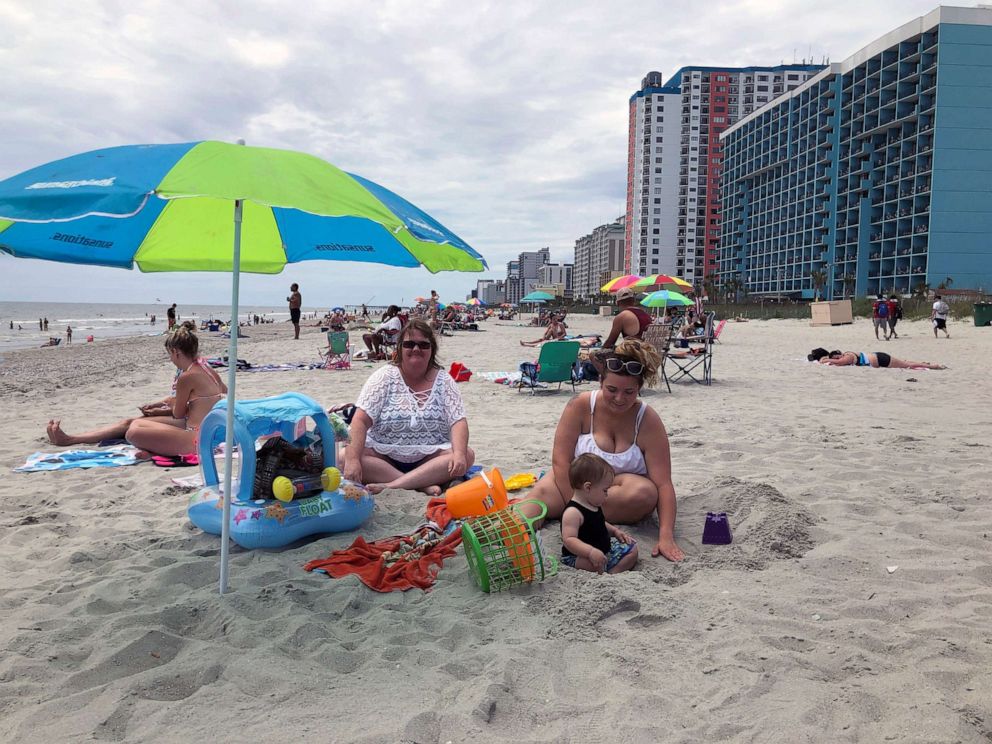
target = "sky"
x: 506, y: 121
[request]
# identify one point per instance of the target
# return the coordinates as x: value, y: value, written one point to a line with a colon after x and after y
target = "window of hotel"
x: 660, y: 119
x: 721, y: 78
x: 762, y: 88
x: 793, y: 77
x: 654, y: 241
x: 719, y: 119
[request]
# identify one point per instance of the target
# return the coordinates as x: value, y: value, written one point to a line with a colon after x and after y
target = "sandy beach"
x: 112, y: 628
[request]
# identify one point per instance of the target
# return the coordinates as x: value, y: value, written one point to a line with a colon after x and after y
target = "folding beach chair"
x: 556, y: 363
x: 659, y: 335
x: 696, y: 362
x: 718, y: 330
x: 337, y: 355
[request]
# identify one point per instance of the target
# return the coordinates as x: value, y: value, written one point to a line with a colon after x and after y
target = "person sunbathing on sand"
x: 556, y: 331
x: 865, y: 359
x: 409, y: 428
x: 169, y: 426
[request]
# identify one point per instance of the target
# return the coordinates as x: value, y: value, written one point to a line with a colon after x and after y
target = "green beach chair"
x: 337, y: 355
x: 555, y: 364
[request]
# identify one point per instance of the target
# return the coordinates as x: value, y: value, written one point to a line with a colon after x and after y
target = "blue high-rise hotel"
x: 875, y: 175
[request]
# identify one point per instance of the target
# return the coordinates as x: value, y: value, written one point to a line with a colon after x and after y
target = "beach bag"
x: 898, y: 312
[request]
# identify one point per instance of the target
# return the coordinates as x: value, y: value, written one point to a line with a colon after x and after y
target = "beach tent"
x: 216, y: 206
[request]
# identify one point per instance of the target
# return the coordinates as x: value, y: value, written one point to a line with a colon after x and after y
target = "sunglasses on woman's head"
x: 632, y: 367
x: 422, y: 345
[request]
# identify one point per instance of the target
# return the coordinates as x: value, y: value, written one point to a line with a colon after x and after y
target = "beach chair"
x: 556, y: 363
x: 659, y: 335
x: 696, y: 362
x: 337, y: 355
x: 718, y: 330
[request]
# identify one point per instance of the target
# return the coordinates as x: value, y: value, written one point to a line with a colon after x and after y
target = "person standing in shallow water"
x: 171, y: 315
x: 295, y: 300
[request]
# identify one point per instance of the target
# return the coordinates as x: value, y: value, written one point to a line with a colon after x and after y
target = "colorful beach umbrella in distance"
x: 215, y: 206
x: 476, y: 301
x: 621, y: 282
x: 666, y: 298
x: 655, y: 282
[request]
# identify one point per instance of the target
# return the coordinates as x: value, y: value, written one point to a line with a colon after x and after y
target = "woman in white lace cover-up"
x: 409, y: 429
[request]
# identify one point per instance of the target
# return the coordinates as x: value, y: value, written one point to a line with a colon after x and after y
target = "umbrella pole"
x: 232, y: 368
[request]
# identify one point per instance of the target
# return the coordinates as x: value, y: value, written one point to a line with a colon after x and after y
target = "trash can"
x: 983, y: 313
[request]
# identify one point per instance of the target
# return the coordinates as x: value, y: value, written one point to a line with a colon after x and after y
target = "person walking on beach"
x: 589, y: 542
x: 938, y: 316
x: 171, y: 315
x: 895, y: 315
x: 295, y: 300
x: 880, y: 316
x: 68, y: 334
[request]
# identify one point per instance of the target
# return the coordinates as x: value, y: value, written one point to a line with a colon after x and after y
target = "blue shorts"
x: 617, y: 551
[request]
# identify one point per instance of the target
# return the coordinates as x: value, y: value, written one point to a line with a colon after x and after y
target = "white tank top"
x: 631, y: 460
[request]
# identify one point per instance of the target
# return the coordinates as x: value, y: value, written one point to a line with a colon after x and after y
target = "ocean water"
x: 107, y: 320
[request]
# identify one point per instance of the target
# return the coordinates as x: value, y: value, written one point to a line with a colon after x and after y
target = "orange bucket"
x: 477, y: 496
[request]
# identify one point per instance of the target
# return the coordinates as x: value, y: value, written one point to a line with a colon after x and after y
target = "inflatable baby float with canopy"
x: 312, y: 497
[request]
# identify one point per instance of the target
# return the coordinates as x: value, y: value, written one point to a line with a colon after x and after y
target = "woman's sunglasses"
x: 632, y: 367
x: 422, y: 345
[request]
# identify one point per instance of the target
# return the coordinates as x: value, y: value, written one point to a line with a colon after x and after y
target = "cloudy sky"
x: 505, y: 120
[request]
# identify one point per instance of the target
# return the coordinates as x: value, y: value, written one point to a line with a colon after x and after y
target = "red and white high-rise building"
x: 674, y: 158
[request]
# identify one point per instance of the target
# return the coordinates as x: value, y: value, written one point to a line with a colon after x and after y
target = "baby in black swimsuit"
x: 589, y: 542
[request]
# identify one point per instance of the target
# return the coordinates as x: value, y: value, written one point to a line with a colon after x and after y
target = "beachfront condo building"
x: 599, y: 257
x: 674, y: 159
x: 875, y: 175
x: 524, y: 272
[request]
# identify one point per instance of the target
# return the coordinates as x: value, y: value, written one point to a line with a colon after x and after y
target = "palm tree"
x: 946, y: 284
x: 819, y: 278
x: 709, y: 289
x: 920, y: 293
x: 849, y: 280
x: 732, y: 287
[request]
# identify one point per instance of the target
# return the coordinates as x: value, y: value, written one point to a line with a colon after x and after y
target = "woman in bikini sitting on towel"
x: 866, y: 359
x: 168, y: 427
x: 615, y: 424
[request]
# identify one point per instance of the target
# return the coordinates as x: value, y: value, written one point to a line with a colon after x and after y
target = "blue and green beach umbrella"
x: 214, y: 206
x: 666, y: 298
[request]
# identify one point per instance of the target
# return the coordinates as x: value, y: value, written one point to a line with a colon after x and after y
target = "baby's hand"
x: 623, y: 537
x: 597, y: 559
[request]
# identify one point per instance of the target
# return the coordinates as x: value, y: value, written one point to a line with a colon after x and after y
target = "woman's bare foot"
x: 432, y: 490
x: 375, y: 488
x: 56, y: 435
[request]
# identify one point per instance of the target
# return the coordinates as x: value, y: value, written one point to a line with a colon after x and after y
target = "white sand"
x: 112, y: 628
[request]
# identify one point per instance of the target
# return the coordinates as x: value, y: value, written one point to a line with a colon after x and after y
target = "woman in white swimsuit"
x: 615, y: 424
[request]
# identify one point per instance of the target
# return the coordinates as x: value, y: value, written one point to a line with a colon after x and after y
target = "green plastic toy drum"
x: 504, y: 550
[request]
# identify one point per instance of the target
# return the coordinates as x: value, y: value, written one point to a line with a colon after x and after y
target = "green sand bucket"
x: 503, y: 548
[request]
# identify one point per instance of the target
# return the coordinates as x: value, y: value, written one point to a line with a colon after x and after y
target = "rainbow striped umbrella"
x: 655, y: 282
x: 476, y: 301
x: 621, y: 282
